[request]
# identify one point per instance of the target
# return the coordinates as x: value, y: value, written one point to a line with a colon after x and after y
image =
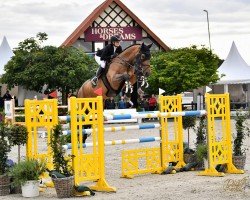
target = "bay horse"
x: 129, y: 67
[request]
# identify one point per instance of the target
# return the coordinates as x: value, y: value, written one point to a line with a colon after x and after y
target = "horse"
x: 124, y: 70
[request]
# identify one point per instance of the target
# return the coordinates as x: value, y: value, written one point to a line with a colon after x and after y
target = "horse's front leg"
x: 120, y: 77
x: 124, y: 77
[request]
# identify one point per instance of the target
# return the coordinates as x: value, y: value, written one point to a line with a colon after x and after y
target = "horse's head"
x: 142, y: 62
x: 136, y: 59
x: 142, y: 65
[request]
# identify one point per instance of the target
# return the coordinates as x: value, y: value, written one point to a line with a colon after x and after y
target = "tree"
x: 201, y: 132
x: 187, y: 123
x: 183, y: 69
x: 62, y: 68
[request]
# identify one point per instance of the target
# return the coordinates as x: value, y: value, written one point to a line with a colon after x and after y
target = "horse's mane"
x: 130, y: 47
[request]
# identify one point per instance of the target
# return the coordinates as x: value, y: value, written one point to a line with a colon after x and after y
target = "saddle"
x: 111, y: 92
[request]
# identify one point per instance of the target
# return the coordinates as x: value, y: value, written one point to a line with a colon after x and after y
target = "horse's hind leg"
x: 84, y: 138
x: 85, y: 135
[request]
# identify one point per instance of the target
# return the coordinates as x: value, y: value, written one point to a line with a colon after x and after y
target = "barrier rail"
x: 91, y: 166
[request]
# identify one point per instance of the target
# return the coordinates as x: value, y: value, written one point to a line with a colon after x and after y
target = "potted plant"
x: 62, y: 175
x: 201, y: 131
x: 201, y: 153
x: 18, y: 136
x: 26, y: 174
x: 189, y: 154
x: 200, y: 141
x: 242, y: 131
x: 187, y: 123
x: 5, y: 148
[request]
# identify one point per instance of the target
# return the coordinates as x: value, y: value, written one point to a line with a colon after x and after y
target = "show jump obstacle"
x: 89, y: 111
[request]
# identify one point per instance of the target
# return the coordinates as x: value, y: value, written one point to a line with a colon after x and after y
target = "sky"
x: 178, y: 23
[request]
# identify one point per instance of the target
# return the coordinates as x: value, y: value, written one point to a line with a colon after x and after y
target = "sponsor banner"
x: 104, y: 34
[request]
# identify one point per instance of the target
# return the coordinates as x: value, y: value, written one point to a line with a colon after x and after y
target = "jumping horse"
x: 129, y: 67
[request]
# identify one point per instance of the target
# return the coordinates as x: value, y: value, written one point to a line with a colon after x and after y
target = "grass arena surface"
x: 180, y: 186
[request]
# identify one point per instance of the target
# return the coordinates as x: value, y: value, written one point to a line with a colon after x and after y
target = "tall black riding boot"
x: 98, y: 74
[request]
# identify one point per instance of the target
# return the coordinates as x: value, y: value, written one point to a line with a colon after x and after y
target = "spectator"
x: 146, y: 105
x: 7, y: 96
x: 129, y: 103
x: 110, y: 103
x: 141, y: 103
x: 122, y: 103
x: 1, y: 102
x: 152, y: 103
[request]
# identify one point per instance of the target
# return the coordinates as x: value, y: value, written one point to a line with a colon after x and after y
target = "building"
x: 110, y: 18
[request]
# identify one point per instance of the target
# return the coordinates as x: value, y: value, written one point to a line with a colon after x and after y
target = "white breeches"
x: 100, y: 62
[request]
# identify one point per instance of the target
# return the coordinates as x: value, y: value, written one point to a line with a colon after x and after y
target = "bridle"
x: 138, y: 66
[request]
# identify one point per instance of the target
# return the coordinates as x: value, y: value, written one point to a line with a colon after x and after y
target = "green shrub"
x: 187, y: 123
x: 60, y: 162
x: 5, y: 147
x: 242, y: 131
x: 18, y: 134
x: 201, y: 131
x: 27, y: 170
x: 201, y: 152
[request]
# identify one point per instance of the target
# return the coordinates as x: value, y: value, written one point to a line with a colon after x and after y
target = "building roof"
x: 91, y: 18
x: 235, y: 69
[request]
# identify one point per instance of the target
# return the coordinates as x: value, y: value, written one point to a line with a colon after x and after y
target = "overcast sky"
x: 179, y: 23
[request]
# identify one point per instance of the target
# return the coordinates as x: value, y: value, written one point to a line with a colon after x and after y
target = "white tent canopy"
x: 5, y: 54
x: 235, y: 69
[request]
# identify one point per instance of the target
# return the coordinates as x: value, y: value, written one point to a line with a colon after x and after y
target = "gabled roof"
x: 91, y: 18
x: 235, y: 69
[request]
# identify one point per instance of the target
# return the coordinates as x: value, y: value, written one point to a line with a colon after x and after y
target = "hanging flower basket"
x: 4, y: 185
x: 64, y: 186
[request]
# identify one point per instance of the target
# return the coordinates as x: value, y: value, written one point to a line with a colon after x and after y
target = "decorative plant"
x: 242, y: 131
x: 62, y: 175
x: 201, y: 131
x: 201, y: 152
x: 187, y: 123
x: 5, y: 147
x: 27, y: 170
x: 186, y: 149
x: 60, y: 161
x: 201, y: 144
x: 18, y: 136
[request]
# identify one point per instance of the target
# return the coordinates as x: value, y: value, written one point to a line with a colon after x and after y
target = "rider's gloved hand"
x: 114, y: 55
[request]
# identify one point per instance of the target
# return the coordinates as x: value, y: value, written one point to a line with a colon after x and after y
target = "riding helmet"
x: 115, y: 38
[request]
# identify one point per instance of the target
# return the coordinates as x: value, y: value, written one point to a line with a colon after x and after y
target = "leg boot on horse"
x: 98, y: 74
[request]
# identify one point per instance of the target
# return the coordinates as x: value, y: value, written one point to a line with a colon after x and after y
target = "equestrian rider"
x: 104, y: 56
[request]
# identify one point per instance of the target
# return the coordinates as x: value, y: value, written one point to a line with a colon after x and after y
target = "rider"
x: 104, y: 56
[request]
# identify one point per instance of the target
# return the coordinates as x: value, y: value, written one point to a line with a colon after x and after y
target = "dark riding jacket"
x: 108, y: 51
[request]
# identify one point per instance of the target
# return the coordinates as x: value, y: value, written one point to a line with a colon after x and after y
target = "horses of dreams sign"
x: 104, y: 34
